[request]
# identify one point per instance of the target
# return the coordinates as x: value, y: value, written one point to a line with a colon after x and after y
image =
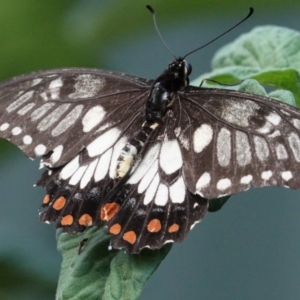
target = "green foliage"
x: 99, y: 273
x: 269, y: 54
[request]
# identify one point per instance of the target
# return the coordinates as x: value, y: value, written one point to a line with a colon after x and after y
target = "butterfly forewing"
x: 60, y: 112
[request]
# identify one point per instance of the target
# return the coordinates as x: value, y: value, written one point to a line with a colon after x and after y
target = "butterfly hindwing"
x: 151, y: 208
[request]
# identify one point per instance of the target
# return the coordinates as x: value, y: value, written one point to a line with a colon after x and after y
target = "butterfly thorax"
x: 161, y: 97
x: 165, y: 87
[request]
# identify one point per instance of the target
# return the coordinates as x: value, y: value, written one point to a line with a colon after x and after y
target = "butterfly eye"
x: 187, y: 68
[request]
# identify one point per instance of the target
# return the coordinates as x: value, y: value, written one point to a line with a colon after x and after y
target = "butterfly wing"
x: 56, y: 114
x: 150, y: 208
x: 232, y: 140
x: 210, y: 143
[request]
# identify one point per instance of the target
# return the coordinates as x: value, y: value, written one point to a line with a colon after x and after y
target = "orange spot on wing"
x: 129, y: 237
x: 67, y: 220
x: 109, y: 210
x: 173, y: 228
x: 59, y: 203
x: 115, y: 229
x: 154, y: 225
x: 46, y: 199
x: 85, y: 220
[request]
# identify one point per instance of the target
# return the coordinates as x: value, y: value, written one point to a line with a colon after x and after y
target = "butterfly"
x: 142, y: 157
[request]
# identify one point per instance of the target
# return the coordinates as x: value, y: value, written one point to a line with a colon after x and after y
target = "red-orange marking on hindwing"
x: 173, y: 228
x: 154, y: 225
x: 115, y: 229
x: 67, y: 220
x: 85, y: 220
x: 129, y: 237
x: 46, y: 199
x: 109, y: 210
x: 59, y: 203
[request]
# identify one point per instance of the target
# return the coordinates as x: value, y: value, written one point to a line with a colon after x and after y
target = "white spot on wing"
x: 88, y: 175
x: 57, y: 151
x: 266, y: 175
x: 294, y: 142
x: 147, y: 178
x: 54, y: 87
x: 224, y: 147
x: 4, y: 126
x: 39, y: 112
x: 54, y: 116
x: 27, y: 139
x: 261, y: 148
x: 36, y: 81
x: 145, y: 164
x: 276, y: 133
x: 26, y: 108
x: 44, y: 96
x: 246, y: 179
x: 103, y: 165
x: 87, y: 86
x: 170, y: 159
x: 151, y: 191
x: 281, y: 152
x: 40, y: 150
x: 243, y: 152
x: 202, y: 137
x: 67, y: 121
x: 103, y: 142
x: 162, y: 195
x: 70, y: 168
x: 19, y: 101
x: 203, y: 182
x: 177, y: 191
x: 92, y: 118
x: 296, y: 123
x: 266, y: 128
x: 238, y: 112
x: 223, y: 184
x: 273, y: 118
x: 286, y: 175
x: 77, y: 175
x: 16, y: 131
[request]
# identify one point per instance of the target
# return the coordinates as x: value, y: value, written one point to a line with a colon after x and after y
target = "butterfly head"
x: 181, y: 70
x: 163, y: 93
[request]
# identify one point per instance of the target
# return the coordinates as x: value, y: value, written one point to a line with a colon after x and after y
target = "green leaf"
x: 269, y: 54
x: 264, y: 48
x: 99, y: 273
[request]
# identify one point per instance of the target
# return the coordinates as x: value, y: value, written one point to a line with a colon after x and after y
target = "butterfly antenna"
x: 154, y: 21
x: 251, y: 10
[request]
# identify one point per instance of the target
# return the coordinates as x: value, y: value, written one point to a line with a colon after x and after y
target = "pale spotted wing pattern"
x: 231, y: 141
x: 141, y: 157
x: 58, y: 113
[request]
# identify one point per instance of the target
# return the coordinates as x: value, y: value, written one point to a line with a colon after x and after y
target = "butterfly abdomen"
x: 132, y: 148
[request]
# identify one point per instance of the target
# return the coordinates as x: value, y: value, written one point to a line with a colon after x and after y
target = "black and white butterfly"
x: 142, y: 157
